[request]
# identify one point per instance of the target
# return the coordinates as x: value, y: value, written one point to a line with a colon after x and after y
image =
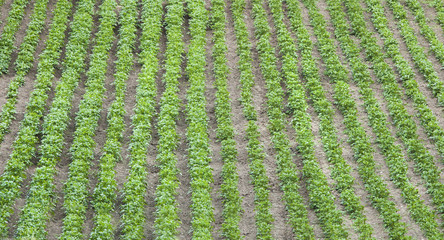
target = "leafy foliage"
x: 436, y: 46
x: 225, y: 132
x: 135, y: 187
x: 321, y: 198
x: 22, y: 64
x: 256, y: 155
x: 406, y: 127
x: 39, y: 202
x: 393, y: 155
x: 197, y: 130
x: 426, y: 116
x: 82, y: 150
x: 7, y: 38
x: 439, y: 6
x: 24, y: 146
x: 167, y: 220
x: 302, y: 122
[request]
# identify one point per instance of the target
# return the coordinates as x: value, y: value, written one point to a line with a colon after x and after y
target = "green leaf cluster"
x: 427, y: 118
x: 436, y: 46
x: 256, y: 155
x: 105, y: 191
x: 82, y: 149
x: 7, y: 38
x: 439, y: 6
x: 22, y: 64
x: 379, y: 194
x: 302, y: 122
x: 406, y: 127
x: 39, y: 202
x: 24, y: 146
x: 225, y: 132
x: 167, y: 220
x: 135, y: 188
x: 378, y: 121
x: 197, y: 130
x: 321, y: 198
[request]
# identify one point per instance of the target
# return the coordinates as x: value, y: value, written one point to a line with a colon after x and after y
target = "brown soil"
x: 216, y: 160
x: 24, y: 91
x: 54, y: 227
x: 5, y: 8
x: 278, y: 210
x: 381, y: 166
x: 247, y: 226
x: 240, y: 124
x: 152, y: 149
x: 423, y: 87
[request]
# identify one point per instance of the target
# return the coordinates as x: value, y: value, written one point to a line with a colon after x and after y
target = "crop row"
x: 225, y: 132
x: 24, y: 146
x: 167, y: 220
x: 302, y: 125
x: 342, y: 171
x: 406, y: 127
x: 197, y: 130
x: 320, y: 194
x: 361, y: 146
x: 436, y: 45
x: 256, y: 155
x: 22, y: 64
x: 393, y: 155
x: 39, y: 202
x: 416, y: 51
x: 141, y: 121
x: 428, y: 120
x: 82, y: 149
x: 7, y: 38
x: 439, y: 6
x: 132, y: 217
x: 426, y: 116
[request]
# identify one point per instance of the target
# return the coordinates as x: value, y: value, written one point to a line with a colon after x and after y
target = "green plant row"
x: 76, y: 188
x: 363, y: 152
x: 255, y: 151
x: 416, y: 51
x: 1, y: 4
x: 406, y: 127
x: 24, y: 146
x: 135, y: 188
x: 302, y: 122
x: 393, y: 154
x: 321, y: 198
x: 225, y: 132
x: 133, y: 218
x: 39, y: 202
x: 426, y: 116
x: 436, y: 45
x: 7, y: 37
x: 301, y: 119
x: 439, y: 6
x: 197, y: 131
x: 167, y: 220
x: 22, y: 64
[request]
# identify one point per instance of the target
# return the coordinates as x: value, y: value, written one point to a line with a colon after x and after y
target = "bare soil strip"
x: 245, y: 187
x: 153, y: 169
x: 281, y: 230
x: 24, y: 91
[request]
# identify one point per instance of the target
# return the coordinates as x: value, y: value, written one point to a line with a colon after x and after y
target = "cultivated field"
x: 222, y: 119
